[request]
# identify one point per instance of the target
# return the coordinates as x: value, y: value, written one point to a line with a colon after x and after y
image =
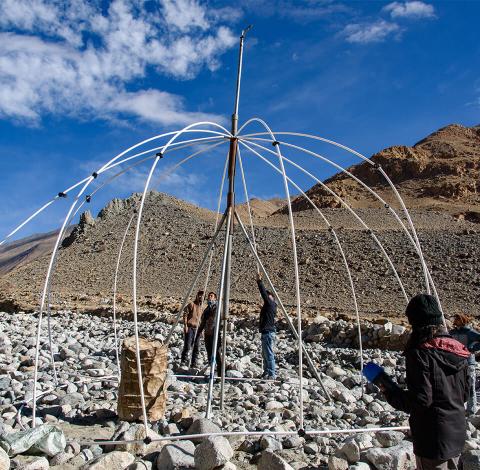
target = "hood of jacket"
x: 450, y: 353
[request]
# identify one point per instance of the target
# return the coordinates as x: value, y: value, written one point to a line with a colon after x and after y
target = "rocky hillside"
x: 441, y: 171
x: 175, y: 234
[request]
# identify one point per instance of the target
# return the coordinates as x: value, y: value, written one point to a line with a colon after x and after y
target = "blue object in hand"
x: 371, y: 371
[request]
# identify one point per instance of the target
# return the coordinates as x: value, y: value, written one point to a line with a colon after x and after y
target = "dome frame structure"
x: 213, y: 135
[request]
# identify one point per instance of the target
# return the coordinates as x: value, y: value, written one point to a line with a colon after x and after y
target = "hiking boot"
x: 271, y: 378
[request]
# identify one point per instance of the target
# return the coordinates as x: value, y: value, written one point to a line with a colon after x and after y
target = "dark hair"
x: 212, y: 293
x: 200, y: 293
x: 422, y: 334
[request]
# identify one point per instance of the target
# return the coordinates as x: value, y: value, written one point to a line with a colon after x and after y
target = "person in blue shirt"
x: 470, y: 338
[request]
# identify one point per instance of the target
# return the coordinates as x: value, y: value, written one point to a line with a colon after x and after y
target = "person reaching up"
x: 267, y: 329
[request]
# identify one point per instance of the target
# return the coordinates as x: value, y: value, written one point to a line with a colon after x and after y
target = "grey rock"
x: 270, y: 443
x: 351, y: 450
x: 471, y: 460
x: 272, y: 461
x: 202, y: 426
x: 399, y: 457
x: 177, y: 455
x: 212, y: 453
x: 4, y: 460
x: 389, y: 438
x: 337, y: 463
x: 61, y: 458
x: 30, y: 462
x: 116, y: 460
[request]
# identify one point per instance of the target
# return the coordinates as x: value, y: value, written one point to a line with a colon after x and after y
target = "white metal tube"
x: 295, y: 265
x: 44, y: 293
x: 219, y: 312
x: 66, y: 191
x: 135, y: 308
x: 115, y: 283
x: 414, y: 239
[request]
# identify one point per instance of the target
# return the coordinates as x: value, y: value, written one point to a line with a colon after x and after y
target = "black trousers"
x: 188, y: 342
x: 209, y: 339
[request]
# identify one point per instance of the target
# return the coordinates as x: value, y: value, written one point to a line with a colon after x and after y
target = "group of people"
x: 198, y: 321
x: 440, y: 371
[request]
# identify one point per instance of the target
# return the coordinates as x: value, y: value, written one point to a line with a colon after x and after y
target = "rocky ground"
x: 82, y: 407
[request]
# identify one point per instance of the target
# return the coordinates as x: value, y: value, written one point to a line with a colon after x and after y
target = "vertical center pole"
x: 232, y: 164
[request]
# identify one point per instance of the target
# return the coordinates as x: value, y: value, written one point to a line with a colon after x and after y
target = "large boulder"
x: 30, y: 462
x: 212, y: 453
x: 202, y: 426
x: 389, y: 438
x: 116, y: 460
x: 4, y: 460
x: 271, y: 461
x: 399, y: 457
x: 180, y: 454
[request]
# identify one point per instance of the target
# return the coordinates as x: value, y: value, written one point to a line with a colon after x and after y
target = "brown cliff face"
x: 441, y: 171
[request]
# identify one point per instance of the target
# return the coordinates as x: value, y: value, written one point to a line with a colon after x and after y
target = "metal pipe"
x: 221, y: 291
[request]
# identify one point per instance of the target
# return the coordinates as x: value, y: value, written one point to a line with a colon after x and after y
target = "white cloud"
x: 72, y: 58
x: 413, y: 9
x: 364, y: 33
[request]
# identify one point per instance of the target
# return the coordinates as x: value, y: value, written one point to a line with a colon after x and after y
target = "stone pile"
x: 383, y: 335
x: 81, y: 409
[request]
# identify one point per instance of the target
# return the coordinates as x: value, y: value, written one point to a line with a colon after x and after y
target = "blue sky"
x: 82, y: 81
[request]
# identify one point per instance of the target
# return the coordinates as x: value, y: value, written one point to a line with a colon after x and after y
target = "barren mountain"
x: 441, y: 171
x: 25, y: 250
x: 438, y: 177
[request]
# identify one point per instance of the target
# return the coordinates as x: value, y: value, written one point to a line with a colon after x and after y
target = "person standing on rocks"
x: 207, y: 326
x: 191, y: 318
x: 470, y: 338
x: 267, y: 329
x: 437, y: 387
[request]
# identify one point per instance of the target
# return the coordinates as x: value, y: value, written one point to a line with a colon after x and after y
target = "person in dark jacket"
x: 437, y: 387
x: 267, y: 329
x: 191, y: 318
x: 207, y: 326
x: 470, y: 338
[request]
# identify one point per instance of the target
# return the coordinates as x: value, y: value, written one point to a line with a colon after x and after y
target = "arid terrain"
x: 438, y: 178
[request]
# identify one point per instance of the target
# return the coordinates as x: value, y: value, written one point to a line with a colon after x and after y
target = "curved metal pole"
x: 66, y: 191
x: 219, y: 202
x: 295, y: 265
x: 371, y: 191
x: 44, y: 294
x: 342, y: 253
x: 175, y: 134
x: 135, y: 308
x: 163, y: 175
x: 115, y: 282
x: 344, y: 204
x: 376, y: 166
